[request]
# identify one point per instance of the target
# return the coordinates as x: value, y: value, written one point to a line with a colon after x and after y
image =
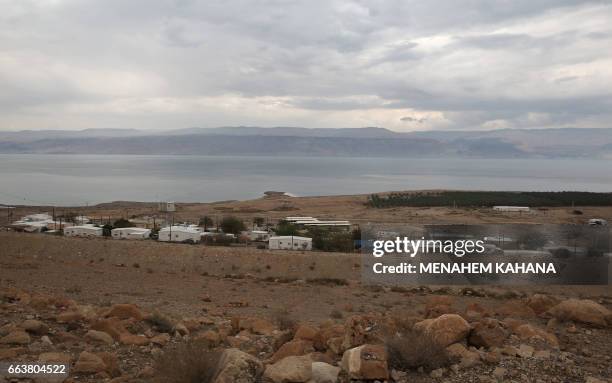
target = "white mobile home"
x: 511, y: 208
x: 130, y: 233
x: 83, y: 231
x: 598, y: 222
x: 290, y: 242
x: 258, y: 235
x: 179, y: 234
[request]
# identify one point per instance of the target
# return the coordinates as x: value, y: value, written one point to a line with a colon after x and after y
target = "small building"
x: 290, y: 242
x: 521, y: 209
x: 131, y: 233
x: 83, y: 231
x: 182, y: 234
x: 598, y: 222
x: 167, y: 207
x: 258, y: 235
x: 38, y: 223
x: 312, y: 221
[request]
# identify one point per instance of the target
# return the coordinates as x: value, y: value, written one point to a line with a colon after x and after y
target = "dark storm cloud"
x: 439, y: 64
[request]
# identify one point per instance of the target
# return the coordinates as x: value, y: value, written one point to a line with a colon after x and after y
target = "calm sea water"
x: 89, y: 179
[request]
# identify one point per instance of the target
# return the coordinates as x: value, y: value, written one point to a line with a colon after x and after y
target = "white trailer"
x: 290, y: 242
x: 131, y: 233
x: 258, y: 235
x: 179, y: 234
x: 83, y: 231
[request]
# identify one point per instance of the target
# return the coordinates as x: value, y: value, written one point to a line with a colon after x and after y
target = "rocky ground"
x: 122, y: 318
x: 537, y: 338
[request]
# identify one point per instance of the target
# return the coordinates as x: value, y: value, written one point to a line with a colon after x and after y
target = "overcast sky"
x: 402, y: 65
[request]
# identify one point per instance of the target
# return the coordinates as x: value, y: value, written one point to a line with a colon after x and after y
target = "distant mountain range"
x: 294, y: 141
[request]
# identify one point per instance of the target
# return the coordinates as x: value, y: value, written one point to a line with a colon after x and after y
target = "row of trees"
x: 492, y: 198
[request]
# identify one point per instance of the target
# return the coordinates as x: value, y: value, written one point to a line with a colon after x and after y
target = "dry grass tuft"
x: 411, y: 349
x: 283, y: 319
x: 160, y: 322
x: 190, y: 362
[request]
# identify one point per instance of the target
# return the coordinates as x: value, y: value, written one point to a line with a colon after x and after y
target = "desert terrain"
x: 126, y: 311
x: 349, y: 207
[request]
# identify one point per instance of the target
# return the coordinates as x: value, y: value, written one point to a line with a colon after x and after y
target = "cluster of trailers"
x: 175, y: 233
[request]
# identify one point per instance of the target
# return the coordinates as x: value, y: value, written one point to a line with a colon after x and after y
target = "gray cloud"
x: 170, y: 64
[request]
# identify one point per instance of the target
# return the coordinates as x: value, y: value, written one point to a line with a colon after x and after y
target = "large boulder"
x: 34, y: 326
x: 111, y: 326
x: 582, y: 310
x: 306, y: 332
x: 292, y: 369
x: 445, y: 329
x: 540, y: 303
x: 133, y: 340
x: 367, y: 362
x: 236, y: 366
x: 255, y: 325
x: 89, y: 363
x: 293, y: 348
x: 360, y: 329
x: 465, y: 357
x: 124, y: 311
x: 95, y: 336
x: 530, y: 332
x: 326, y: 333
x: 487, y: 333
x: 324, y: 373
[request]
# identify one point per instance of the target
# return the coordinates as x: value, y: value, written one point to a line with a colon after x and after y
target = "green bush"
x: 232, y: 225
x: 490, y: 198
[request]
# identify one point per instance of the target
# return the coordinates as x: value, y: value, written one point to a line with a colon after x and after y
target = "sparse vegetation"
x: 121, y: 222
x: 161, y: 322
x: 336, y: 314
x: 286, y: 228
x: 489, y: 198
x: 412, y: 349
x: 331, y: 240
x: 232, y: 225
x: 190, y: 362
x: 283, y: 319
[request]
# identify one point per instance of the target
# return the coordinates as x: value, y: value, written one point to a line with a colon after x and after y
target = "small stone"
x: 499, y: 372
x: 324, y: 373
x: 99, y: 337
x: 135, y: 340
x: 16, y: 337
x: 161, y: 339
x: 55, y: 357
x: 437, y: 373
x: 89, y: 363
x: 525, y: 351
x: 34, y: 326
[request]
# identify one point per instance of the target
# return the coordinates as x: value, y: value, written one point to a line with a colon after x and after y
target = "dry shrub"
x: 190, y: 362
x: 75, y: 289
x: 412, y: 349
x: 328, y: 281
x: 336, y: 314
x: 161, y: 322
x: 283, y: 319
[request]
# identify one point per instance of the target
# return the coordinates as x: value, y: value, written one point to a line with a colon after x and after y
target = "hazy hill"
x: 293, y: 141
